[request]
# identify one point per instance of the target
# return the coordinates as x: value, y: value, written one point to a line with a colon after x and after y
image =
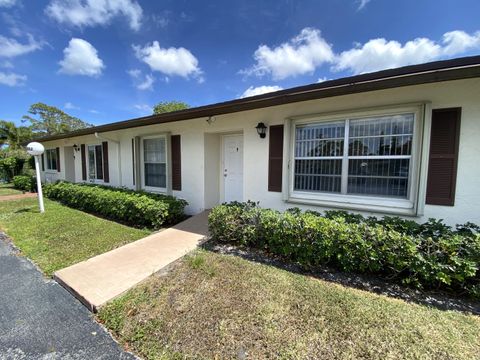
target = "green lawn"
x: 61, y: 236
x: 213, y: 306
x: 7, y: 189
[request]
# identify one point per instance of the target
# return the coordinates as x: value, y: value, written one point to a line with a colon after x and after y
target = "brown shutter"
x: 175, y: 143
x: 133, y: 160
x: 58, y: 158
x: 43, y: 162
x: 84, y: 162
x: 442, y: 167
x: 275, y: 158
x: 106, y: 172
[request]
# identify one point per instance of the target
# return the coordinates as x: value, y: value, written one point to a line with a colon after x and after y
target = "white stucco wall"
x: 200, y: 141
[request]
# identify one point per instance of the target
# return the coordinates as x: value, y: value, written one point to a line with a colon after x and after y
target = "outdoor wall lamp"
x: 76, y: 147
x: 261, y: 130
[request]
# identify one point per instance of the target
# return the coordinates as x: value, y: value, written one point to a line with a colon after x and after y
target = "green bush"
x: 139, y: 209
x: 430, y: 255
x: 24, y: 183
x: 13, y: 163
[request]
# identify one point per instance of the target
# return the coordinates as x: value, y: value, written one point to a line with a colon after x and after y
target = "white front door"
x: 233, y: 167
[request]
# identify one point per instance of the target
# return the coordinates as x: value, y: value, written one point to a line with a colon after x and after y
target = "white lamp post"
x: 36, y: 149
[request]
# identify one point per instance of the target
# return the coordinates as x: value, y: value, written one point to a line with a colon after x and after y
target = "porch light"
x: 76, y: 147
x: 261, y: 130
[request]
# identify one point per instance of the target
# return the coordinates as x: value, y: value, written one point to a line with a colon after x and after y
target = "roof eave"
x: 463, y: 68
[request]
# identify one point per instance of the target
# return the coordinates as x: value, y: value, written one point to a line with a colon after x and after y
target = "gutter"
x: 119, y: 154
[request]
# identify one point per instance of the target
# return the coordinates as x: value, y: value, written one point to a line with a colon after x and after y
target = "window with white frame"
x: 367, y: 156
x: 95, y: 162
x: 51, y: 159
x: 155, y: 163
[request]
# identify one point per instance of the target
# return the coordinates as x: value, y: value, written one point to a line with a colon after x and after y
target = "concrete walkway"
x: 17, y: 196
x: 106, y: 276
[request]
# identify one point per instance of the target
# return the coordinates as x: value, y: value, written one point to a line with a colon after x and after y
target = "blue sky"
x: 111, y: 60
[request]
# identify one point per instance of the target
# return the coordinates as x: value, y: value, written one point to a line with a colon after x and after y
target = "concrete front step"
x: 106, y: 276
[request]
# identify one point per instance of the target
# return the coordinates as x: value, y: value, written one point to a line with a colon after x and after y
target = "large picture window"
x: 155, y: 162
x: 367, y: 156
x: 51, y: 157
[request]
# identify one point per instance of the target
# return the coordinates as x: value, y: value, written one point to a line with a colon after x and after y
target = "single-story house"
x: 403, y: 141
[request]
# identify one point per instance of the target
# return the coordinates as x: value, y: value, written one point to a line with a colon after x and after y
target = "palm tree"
x: 12, y: 135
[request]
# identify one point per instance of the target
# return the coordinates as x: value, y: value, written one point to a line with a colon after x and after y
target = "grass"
x: 213, y: 306
x: 7, y: 189
x: 61, y: 236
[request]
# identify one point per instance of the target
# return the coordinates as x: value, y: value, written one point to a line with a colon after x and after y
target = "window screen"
x: 155, y: 166
x: 367, y: 156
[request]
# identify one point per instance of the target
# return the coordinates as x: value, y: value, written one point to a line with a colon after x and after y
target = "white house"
x: 404, y: 141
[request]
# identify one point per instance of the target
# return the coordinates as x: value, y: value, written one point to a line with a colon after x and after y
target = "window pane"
x: 382, y: 125
x: 51, y: 159
x: 91, y: 162
x: 383, y: 145
x: 320, y: 140
x: 318, y: 175
x: 154, y: 150
x: 99, y: 161
x: 385, y: 135
x: 387, y: 177
x: 155, y: 175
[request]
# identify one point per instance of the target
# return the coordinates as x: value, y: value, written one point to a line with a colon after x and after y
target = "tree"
x: 169, y: 106
x: 12, y: 135
x: 51, y: 120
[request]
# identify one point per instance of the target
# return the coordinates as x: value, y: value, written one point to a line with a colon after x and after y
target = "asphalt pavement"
x: 39, y: 319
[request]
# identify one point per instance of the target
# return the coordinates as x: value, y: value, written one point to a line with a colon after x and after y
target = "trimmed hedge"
x: 429, y: 255
x: 24, y: 183
x: 136, y: 208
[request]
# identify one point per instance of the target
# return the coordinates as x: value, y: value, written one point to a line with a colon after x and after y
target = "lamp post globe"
x: 36, y: 150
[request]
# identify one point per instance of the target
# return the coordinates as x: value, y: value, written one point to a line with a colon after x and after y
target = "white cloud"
x: 307, y: 51
x: 82, y: 13
x: 171, y: 61
x: 12, y: 79
x: 141, y: 83
x: 457, y: 42
x: 7, y: 3
x: 322, y: 79
x: 6, y: 64
x: 161, y: 20
x: 93, y: 111
x: 362, y: 4
x: 377, y: 54
x: 144, y: 108
x: 301, y: 55
x: 147, y: 84
x: 80, y: 58
x: 10, y: 47
x: 134, y: 73
x: 259, y: 90
x: 70, y: 106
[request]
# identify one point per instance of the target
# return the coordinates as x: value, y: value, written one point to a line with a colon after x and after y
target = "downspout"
x: 119, y: 155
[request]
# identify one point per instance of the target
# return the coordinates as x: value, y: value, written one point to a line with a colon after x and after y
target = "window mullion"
x: 345, y: 158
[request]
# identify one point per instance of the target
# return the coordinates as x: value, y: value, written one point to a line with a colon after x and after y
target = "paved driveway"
x: 41, y: 320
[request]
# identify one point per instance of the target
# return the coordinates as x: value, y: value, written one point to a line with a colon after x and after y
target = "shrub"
x: 429, y: 255
x: 12, y: 163
x: 139, y: 209
x: 24, y: 182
